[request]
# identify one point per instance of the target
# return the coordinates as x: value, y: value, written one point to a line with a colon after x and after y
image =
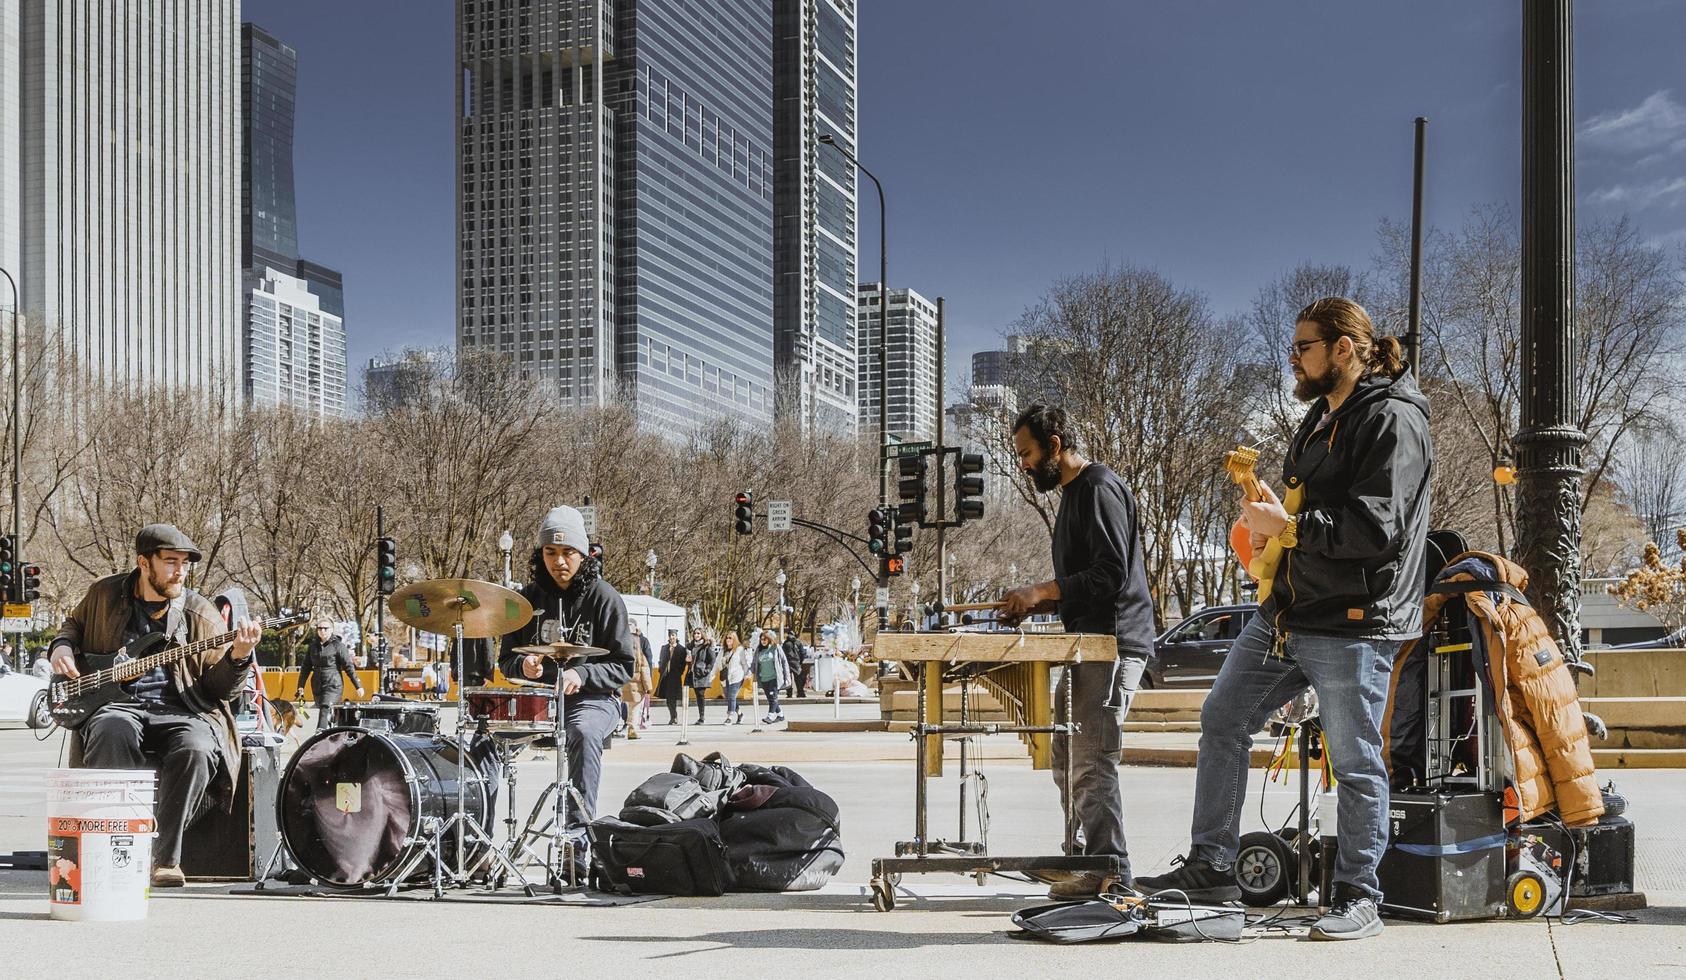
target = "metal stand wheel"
x: 1265, y: 868
x: 883, y: 894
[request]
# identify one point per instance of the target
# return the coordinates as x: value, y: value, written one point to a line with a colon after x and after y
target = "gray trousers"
x: 1093, y: 804
x: 587, y: 721
x: 182, y: 746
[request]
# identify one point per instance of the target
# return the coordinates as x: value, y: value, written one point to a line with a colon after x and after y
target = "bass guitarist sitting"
x: 177, y: 718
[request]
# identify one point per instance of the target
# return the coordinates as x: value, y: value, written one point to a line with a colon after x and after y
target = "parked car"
x: 1190, y: 653
x: 23, y: 700
x: 1667, y: 641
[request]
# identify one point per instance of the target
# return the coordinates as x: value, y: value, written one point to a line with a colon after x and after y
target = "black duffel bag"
x: 781, y: 834
x: 684, y: 858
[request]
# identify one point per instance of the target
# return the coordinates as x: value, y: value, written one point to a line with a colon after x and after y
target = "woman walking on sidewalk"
x: 772, y: 672
x: 734, y: 667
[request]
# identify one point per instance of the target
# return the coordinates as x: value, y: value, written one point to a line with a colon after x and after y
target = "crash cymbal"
x: 559, y: 651
x: 486, y: 610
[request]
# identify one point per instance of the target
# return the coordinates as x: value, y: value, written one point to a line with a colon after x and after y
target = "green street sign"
x: 899, y: 449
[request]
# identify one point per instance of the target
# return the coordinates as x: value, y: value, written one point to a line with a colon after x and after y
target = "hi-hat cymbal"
x: 485, y: 609
x: 559, y: 651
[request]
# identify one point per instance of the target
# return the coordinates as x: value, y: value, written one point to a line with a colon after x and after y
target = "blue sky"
x: 1221, y: 142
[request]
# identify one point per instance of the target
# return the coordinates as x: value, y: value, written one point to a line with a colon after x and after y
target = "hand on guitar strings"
x: 1265, y: 517
x: 246, y: 637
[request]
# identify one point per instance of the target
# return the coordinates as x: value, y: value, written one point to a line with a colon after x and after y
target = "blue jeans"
x: 771, y: 689
x: 1351, y: 679
x: 731, y: 691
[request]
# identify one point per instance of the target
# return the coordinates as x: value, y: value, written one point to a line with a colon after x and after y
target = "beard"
x: 163, y: 586
x: 1045, y: 476
x: 1311, y: 387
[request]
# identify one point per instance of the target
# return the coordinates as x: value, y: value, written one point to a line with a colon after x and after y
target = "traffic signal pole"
x: 942, y: 483
x: 380, y: 603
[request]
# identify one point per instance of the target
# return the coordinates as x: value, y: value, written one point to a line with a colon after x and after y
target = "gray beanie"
x: 564, y: 526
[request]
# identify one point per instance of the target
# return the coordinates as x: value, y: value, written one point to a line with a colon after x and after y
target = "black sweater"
x: 1098, y: 562
x: 592, y: 614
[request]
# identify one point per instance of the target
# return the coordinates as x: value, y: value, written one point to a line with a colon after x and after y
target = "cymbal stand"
x: 559, y: 862
x: 466, y: 826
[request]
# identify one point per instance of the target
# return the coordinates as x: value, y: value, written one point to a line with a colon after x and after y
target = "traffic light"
x: 902, y: 540
x: 386, y: 575
x: 912, y: 488
x: 743, y: 512
x: 8, y: 567
x: 968, y: 487
x: 877, y: 531
x: 31, y: 581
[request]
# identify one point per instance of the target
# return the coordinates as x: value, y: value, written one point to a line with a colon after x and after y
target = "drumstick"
x: 973, y: 607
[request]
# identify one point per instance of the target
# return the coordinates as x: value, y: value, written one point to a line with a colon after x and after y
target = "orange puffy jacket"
x: 1534, y: 695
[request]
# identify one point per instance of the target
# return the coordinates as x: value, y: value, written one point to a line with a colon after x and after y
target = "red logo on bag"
x: 635, y: 872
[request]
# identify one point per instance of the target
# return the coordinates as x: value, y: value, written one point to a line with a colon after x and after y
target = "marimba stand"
x: 974, y: 653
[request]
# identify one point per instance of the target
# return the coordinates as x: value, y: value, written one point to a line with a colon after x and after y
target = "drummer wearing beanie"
x: 572, y: 603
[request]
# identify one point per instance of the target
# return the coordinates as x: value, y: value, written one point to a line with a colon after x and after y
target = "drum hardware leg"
x: 268, y: 866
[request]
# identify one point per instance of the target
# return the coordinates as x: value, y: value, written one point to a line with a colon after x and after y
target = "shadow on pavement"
x: 809, y: 939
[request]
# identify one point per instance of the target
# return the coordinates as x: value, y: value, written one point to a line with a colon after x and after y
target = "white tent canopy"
x: 655, y: 617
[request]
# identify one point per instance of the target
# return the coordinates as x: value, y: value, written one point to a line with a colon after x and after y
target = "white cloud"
x: 1658, y: 123
x: 1666, y: 192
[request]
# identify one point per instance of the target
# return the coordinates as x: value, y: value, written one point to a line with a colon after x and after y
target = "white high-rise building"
x: 120, y: 183
x: 912, y: 362
x: 814, y: 213
x: 295, y: 351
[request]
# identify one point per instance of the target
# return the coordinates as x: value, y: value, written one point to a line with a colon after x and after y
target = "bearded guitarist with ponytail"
x: 1346, y: 591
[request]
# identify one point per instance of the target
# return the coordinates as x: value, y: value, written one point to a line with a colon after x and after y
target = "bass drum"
x: 356, y: 805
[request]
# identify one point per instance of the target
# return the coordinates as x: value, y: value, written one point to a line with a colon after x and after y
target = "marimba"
x: 1015, y: 667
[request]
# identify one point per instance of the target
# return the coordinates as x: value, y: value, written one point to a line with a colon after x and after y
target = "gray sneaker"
x: 1352, y: 916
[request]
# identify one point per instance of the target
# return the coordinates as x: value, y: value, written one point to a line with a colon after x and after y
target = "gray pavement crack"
x: 1551, y: 934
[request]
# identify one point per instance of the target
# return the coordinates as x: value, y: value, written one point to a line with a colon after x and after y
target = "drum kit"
x: 384, y: 799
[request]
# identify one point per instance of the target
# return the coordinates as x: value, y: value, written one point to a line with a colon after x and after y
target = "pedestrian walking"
x: 326, y: 658
x: 734, y: 667
x: 772, y: 672
x: 671, y: 686
x: 701, y: 669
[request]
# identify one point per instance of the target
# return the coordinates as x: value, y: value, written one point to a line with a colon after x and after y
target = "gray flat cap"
x: 165, y: 537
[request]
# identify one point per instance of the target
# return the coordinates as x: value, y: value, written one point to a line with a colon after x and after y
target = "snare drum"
x: 509, y: 711
x: 387, y: 716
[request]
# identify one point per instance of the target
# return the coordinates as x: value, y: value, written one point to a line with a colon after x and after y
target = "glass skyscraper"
x: 814, y: 205
x: 295, y: 343
x: 623, y: 241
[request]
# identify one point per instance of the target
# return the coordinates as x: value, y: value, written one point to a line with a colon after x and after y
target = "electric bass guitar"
x: 1240, y: 464
x: 73, y: 700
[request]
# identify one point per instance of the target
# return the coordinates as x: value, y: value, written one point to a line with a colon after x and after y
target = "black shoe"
x: 1352, y: 916
x: 1197, y: 880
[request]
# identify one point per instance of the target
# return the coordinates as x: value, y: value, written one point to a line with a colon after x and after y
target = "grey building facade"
x: 815, y: 229
x: 912, y: 360
x: 120, y: 184
x: 622, y: 244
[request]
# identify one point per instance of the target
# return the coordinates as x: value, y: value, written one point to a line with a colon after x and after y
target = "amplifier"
x: 234, y: 846
x: 1445, y: 859
x: 1602, y: 854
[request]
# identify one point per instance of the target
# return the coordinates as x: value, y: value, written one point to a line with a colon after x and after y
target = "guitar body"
x: 73, y: 710
x: 1261, y: 567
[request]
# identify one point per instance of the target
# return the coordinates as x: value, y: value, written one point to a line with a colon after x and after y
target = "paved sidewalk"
x: 947, y: 926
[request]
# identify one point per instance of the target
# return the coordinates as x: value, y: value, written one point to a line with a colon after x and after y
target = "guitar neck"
x: 131, y: 669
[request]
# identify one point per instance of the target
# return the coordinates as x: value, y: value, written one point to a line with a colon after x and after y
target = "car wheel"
x: 40, y: 716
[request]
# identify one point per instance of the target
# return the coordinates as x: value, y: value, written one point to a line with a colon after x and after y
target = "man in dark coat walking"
x: 671, y: 686
x: 326, y: 658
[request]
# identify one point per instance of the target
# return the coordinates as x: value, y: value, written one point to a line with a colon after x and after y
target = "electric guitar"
x: 73, y: 700
x: 1239, y: 464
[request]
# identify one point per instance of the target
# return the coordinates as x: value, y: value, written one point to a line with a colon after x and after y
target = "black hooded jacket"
x: 1357, y: 568
x: 592, y: 614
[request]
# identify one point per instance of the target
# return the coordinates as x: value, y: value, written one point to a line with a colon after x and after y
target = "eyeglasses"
x: 1297, y: 349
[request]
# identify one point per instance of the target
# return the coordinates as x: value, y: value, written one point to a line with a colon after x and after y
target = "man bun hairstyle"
x: 1044, y: 422
x: 1337, y: 317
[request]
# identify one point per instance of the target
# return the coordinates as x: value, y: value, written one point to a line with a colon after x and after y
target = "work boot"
x: 1197, y: 880
x: 168, y: 876
x: 1077, y: 888
x: 1353, y: 915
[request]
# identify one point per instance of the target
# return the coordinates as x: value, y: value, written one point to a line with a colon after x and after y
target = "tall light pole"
x: 650, y: 562
x: 17, y: 437
x: 883, y: 329
x: 506, y: 544
x: 1548, y: 444
x: 781, y: 579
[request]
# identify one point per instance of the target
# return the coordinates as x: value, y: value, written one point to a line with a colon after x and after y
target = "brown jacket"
x: 206, y: 682
x: 1534, y: 695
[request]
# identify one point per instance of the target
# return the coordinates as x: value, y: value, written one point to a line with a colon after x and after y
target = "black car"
x: 1190, y: 653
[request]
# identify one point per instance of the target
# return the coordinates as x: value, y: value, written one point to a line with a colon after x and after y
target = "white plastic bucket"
x: 99, y: 843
